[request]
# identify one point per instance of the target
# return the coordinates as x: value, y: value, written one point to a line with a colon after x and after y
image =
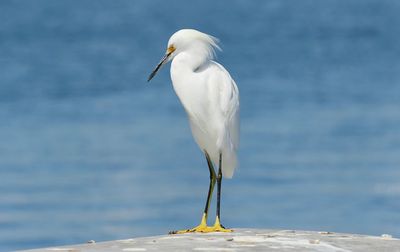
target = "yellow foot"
x: 199, y: 229
x: 219, y: 228
x: 203, y: 228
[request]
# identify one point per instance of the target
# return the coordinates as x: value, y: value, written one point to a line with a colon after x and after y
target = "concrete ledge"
x: 244, y: 240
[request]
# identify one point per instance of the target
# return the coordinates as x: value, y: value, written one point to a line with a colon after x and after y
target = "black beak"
x: 162, y: 62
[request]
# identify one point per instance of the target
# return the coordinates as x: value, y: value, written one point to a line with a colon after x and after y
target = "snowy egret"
x: 211, y: 100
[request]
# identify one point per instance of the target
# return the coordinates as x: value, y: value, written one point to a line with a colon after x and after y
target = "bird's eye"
x: 171, y: 49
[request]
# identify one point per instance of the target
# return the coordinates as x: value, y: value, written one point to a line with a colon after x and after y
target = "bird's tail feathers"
x: 229, y: 163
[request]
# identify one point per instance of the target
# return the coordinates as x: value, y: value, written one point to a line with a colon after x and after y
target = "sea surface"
x: 90, y: 151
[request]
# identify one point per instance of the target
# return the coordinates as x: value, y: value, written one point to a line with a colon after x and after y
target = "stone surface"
x: 244, y: 240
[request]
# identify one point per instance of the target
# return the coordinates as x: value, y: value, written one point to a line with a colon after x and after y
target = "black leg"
x: 212, y: 182
x: 202, y: 227
x: 217, y: 225
x: 219, y: 181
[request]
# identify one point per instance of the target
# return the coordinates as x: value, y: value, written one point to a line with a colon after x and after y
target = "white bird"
x: 210, y: 98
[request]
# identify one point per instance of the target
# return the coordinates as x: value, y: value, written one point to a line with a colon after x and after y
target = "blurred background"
x: 90, y: 150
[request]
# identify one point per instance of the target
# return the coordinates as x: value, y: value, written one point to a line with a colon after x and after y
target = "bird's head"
x: 188, y: 40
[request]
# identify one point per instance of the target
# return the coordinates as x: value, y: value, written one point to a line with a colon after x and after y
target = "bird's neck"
x: 189, y: 61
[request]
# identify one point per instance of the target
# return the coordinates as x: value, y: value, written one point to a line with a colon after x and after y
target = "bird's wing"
x: 229, y: 105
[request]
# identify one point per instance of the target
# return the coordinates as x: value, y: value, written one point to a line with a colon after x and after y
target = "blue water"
x: 89, y: 150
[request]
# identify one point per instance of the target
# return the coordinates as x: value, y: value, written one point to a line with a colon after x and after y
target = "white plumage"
x: 209, y: 95
x: 211, y: 100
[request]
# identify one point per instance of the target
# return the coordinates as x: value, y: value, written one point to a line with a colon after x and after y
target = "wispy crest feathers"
x: 212, y: 45
x: 197, y: 42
